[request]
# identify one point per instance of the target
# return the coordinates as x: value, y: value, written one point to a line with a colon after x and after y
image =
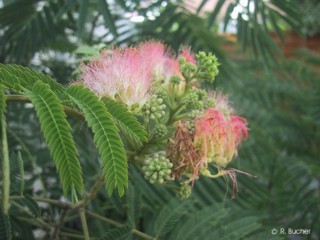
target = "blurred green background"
x: 270, y: 68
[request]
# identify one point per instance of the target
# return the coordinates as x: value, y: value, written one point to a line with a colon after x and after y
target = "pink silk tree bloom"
x: 217, y: 137
x: 126, y: 74
x: 157, y: 54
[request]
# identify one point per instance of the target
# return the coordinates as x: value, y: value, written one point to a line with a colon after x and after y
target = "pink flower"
x: 126, y: 74
x: 157, y: 55
x: 129, y: 74
x: 218, y: 137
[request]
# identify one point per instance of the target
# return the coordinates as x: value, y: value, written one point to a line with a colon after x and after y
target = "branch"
x: 25, y: 99
x: 25, y: 210
x: 5, y: 168
x: 57, y: 231
x: 93, y: 192
x: 84, y: 224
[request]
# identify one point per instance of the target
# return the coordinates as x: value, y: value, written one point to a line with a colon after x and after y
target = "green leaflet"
x: 117, y: 233
x: 57, y: 133
x: 169, y: 215
x: 113, y: 157
x: 5, y: 227
x: 30, y: 204
x: 126, y: 121
x: 16, y: 77
x: 134, y: 205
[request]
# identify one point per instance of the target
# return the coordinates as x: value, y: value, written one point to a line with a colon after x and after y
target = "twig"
x: 25, y: 210
x: 22, y: 98
x: 63, y: 205
x: 5, y: 168
x: 58, y: 227
x: 84, y: 224
x: 93, y: 192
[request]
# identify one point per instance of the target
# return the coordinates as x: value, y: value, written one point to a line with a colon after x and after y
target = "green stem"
x: 85, y: 229
x: 5, y: 168
x: 63, y: 205
x: 93, y: 192
x: 40, y: 221
x: 22, y: 98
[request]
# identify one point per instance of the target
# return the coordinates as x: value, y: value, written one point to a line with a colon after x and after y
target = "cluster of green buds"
x: 191, y: 126
x: 208, y: 67
x: 187, y: 68
x: 154, y: 108
x: 209, y: 103
x: 162, y: 93
x: 195, y: 113
x: 194, y: 101
x: 160, y: 130
x: 157, y: 169
x: 184, y: 191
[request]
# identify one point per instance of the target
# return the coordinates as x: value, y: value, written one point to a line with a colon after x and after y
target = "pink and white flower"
x: 217, y: 137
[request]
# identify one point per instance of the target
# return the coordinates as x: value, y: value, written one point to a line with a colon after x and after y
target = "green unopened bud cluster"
x: 191, y: 126
x: 202, y: 94
x: 191, y: 98
x: 195, y: 113
x: 208, y: 67
x: 154, y: 108
x: 187, y: 68
x: 196, y: 99
x: 175, y: 80
x: 160, y: 130
x: 157, y: 169
x: 184, y: 191
x: 209, y: 103
x: 162, y: 93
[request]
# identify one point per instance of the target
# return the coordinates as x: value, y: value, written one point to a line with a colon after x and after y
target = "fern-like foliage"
x: 117, y: 233
x: 57, y: 133
x: 16, y: 76
x: 28, y: 202
x: 199, y: 221
x: 5, y: 227
x: 20, y: 21
x: 126, y: 121
x: 106, y: 137
x: 169, y: 215
x: 134, y: 207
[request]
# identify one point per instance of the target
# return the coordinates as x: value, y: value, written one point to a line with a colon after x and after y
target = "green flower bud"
x: 182, y: 60
x: 154, y: 108
x: 208, y: 67
x: 191, y: 98
x: 195, y: 113
x: 161, y: 93
x: 209, y: 103
x: 202, y: 94
x: 160, y: 130
x: 199, y: 105
x: 157, y: 169
x: 184, y: 191
x: 191, y: 126
x: 175, y: 80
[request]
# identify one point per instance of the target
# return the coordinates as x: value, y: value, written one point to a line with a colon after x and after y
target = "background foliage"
x: 280, y: 98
